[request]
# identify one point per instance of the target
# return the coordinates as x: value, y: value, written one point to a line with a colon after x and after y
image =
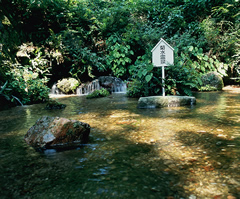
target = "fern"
x: 187, y: 91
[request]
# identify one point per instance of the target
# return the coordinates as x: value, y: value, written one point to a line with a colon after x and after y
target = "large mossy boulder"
x: 165, y: 101
x: 68, y: 85
x: 57, y: 133
x: 212, y: 81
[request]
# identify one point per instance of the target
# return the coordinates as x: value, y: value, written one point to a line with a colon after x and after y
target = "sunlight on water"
x: 133, y: 153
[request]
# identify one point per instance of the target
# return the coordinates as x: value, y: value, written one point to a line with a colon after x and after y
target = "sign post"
x: 163, y: 83
x: 162, y: 55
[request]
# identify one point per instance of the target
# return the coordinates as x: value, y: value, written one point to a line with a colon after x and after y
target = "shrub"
x: 144, y: 81
x: 31, y: 91
x: 68, y: 86
x: 25, y: 85
x: 98, y: 93
x: 37, y: 91
x: 119, y: 56
x: 180, y: 79
x: 136, y: 88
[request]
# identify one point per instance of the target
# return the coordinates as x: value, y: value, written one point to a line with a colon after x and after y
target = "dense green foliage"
x: 98, y: 93
x: 43, y: 41
x: 25, y: 85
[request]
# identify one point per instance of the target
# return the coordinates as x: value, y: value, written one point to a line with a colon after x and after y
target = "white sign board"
x: 162, y: 54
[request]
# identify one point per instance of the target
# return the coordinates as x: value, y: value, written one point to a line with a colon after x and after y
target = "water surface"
x: 173, y: 152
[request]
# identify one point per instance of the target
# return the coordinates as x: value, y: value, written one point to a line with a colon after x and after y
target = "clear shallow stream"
x: 177, y: 152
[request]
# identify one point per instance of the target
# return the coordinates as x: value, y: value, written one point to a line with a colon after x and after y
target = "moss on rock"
x: 53, y: 104
x: 68, y: 86
x: 98, y: 93
x: 212, y: 81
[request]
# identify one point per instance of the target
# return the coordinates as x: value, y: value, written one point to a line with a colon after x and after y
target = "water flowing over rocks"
x: 87, y: 88
x: 56, y: 132
x: 55, y: 90
x: 165, y: 101
x: 112, y: 84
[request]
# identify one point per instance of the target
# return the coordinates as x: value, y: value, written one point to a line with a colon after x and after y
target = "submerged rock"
x: 53, y: 104
x: 165, y: 101
x: 58, y: 133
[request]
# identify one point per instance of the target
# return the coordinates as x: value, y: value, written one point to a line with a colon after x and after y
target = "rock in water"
x: 56, y: 132
x: 212, y: 81
x: 165, y: 101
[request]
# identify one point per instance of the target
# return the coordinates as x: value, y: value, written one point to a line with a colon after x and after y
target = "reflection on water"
x: 176, y: 152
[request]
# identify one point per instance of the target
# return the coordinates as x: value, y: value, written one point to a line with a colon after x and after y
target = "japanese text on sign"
x: 162, y: 54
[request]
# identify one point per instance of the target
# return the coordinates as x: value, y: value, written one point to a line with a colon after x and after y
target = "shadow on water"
x: 217, y: 157
x: 108, y: 167
x: 177, y: 152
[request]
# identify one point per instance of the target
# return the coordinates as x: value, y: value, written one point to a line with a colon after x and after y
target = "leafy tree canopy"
x: 56, y: 39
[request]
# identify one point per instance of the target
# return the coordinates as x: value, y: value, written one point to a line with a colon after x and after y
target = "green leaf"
x: 3, y: 87
x: 190, y: 48
x: 148, y: 77
x: 205, y: 58
x: 117, y: 55
x: 192, y: 85
x: 206, y: 65
x: 128, y: 60
x: 144, y: 72
x: 200, y: 50
x: 139, y: 74
x: 202, y: 68
x: 149, y: 67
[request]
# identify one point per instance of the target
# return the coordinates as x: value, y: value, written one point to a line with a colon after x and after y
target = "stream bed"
x: 174, y: 152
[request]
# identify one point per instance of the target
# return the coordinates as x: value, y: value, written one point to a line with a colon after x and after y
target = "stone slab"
x: 165, y: 101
